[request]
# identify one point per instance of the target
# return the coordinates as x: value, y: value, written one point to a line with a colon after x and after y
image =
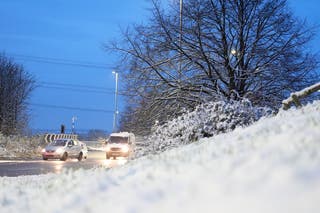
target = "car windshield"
x: 59, y: 143
x: 118, y: 139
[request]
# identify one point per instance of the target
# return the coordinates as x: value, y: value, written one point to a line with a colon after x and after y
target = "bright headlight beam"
x: 125, y: 149
x: 108, y: 148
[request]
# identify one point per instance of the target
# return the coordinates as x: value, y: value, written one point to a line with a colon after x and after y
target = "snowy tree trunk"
x: 294, y: 97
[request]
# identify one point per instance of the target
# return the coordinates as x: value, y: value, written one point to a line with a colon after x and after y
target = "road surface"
x: 36, y: 167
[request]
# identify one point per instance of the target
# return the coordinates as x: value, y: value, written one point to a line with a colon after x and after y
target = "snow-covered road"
x: 271, y: 166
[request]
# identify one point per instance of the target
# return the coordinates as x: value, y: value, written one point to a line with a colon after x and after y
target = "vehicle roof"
x: 121, y: 134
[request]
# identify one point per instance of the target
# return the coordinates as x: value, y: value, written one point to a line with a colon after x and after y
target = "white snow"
x: 270, y: 166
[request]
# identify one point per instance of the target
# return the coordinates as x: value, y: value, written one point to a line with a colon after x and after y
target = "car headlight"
x: 108, y: 148
x: 59, y: 150
x: 125, y: 149
x: 43, y: 150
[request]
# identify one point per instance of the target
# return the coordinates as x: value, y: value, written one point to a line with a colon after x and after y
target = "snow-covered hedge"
x: 19, y: 146
x: 206, y: 120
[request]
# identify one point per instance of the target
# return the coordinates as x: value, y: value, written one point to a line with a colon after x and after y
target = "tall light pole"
x: 181, y: 13
x: 115, y: 115
x: 180, y: 43
x: 73, y: 120
x: 180, y: 56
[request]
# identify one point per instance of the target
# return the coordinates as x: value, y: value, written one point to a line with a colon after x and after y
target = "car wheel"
x: 114, y: 157
x: 80, y: 156
x: 44, y: 158
x: 64, y: 157
x: 107, y: 157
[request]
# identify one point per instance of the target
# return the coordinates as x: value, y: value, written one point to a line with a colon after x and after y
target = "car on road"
x: 65, y: 148
x: 120, y: 144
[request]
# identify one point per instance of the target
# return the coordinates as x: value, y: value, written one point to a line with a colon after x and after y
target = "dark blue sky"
x: 76, y: 30
x: 72, y: 30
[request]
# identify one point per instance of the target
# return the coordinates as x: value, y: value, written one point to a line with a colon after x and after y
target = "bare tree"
x: 95, y: 134
x: 225, y: 48
x: 15, y: 88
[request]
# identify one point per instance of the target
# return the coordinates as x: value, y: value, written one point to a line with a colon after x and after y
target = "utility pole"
x: 116, y: 112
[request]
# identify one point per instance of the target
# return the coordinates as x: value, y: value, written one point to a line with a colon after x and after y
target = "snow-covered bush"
x: 206, y: 120
x: 19, y: 146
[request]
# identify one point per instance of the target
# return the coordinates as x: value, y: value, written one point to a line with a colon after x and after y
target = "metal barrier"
x: 296, y: 96
x: 51, y: 137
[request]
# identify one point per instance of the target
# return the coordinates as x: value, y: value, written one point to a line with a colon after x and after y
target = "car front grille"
x: 115, y: 149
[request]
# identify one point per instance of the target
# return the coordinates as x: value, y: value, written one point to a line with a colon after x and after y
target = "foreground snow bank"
x: 271, y: 166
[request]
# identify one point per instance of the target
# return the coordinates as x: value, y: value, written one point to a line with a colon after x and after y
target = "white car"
x: 65, y: 148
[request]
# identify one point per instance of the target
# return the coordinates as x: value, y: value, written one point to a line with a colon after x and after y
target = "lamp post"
x: 115, y: 102
x: 180, y: 56
x: 73, y: 120
x: 180, y: 42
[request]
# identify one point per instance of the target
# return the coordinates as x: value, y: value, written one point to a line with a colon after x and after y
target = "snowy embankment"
x: 271, y: 166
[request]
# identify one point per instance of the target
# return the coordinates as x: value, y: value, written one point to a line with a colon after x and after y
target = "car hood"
x: 53, y: 148
x: 117, y: 145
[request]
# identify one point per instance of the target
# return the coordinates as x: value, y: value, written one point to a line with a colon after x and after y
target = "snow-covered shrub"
x: 19, y: 146
x: 206, y: 120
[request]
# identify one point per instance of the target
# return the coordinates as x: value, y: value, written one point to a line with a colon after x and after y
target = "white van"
x: 120, y: 144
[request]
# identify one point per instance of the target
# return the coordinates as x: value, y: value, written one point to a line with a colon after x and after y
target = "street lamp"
x: 115, y: 102
x: 234, y: 52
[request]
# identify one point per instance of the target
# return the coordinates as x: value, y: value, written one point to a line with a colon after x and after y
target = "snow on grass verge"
x: 13, y: 147
x: 270, y: 166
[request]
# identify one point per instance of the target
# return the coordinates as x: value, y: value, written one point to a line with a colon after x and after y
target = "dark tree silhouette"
x: 15, y: 88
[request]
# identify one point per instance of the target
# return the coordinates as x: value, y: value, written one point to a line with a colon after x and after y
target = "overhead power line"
x: 57, y: 130
x: 76, y: 85
x: 71, y: 108
x: 80, y: 88
x: 60, y: 61
x: 76, y: 89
